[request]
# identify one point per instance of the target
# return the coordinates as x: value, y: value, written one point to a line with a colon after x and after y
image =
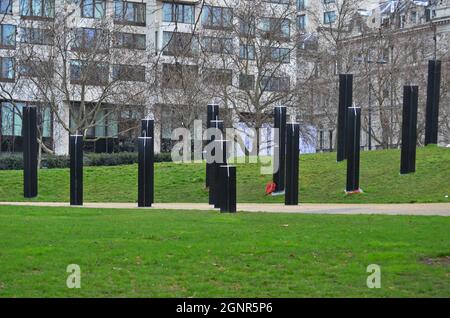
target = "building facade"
x: 99, y: 66
x: 385, y: 44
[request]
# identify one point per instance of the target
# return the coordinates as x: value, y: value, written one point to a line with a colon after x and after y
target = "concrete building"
x: 101, y: 65
x: 111, y: 62
x: 385, y: 44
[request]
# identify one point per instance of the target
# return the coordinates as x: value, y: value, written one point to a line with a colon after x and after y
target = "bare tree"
x: 385, y: 50
x: 248, y: 59
x: 82, y: 75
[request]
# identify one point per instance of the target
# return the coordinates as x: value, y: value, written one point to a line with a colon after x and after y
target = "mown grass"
x: 147, y: 253
x: 322, y: 179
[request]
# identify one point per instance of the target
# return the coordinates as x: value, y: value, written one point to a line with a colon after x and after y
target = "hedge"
x: 14, y: 161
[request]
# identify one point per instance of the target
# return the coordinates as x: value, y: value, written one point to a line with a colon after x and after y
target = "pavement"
x: 442, y: 209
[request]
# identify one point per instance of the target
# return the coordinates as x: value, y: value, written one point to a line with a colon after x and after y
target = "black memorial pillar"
x: 227, y: 177
x: 76, y: 169
x: 292, y: 164
x: 280, y: 147
x: 222, y: 146
x: 345, y: 101
x: 147, y: 128
x: 432, y: 107
x: 214, y: 166
x: 145, y: 172
x: 212, y: 114
x: 30, y: 150
x: 409, y: 129
x: 354, y: 136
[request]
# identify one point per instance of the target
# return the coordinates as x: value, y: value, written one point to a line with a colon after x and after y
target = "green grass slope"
x: 322, y: 179
x: 207, y: 254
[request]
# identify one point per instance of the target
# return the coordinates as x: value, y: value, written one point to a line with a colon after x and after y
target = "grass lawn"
x: 141, y: 253
x: 321, y: 180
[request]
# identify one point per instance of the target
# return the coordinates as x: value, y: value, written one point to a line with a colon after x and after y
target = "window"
x: 329, y: 1
x: 217, y: 17
x: 11, y: 125
x: 91, y: 39
x: 36, y: 36
x: 36, y: 69
x: 275, y: 54
x: 275, y: 27
x: 45, y: 121
x: 129, y: 41
x: 301, y: 5
x: 7, y: 73
x: 246, y: 82
x: 301, y: 22
x: 93, y: 73
x: 246, y: 52
x: 11, y: 119
x: 308, y: 42
x: 329, y: 17
x: 6, y: 6
x: 414, y: 17
x: 279, y: 1
x: 430, y: 14
x: 247, y: 27
x: 93, y: 9
x: 178, y: 75
x: 180, y: 13
x: 8, y: 35
x: 37, y: 8
x: 217, y: 45
x: 129, y: 12
x: 131, y: 73
x: 105, y: 123
x: 178, y: 43
x: 275, y: 84
x: 218, y: 77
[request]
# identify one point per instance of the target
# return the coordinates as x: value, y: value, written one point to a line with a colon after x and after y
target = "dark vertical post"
x: 30, y: 148
x: 228, y: 188
x: 280, y: 147
x: 331, y: 140
x: 145, y: 172
x: 345, y: 101
x: 354, y: 136
x: 76, y: 169
x: 214, y: 166
x: 219, y: 182
x: 292, y: 169
x: 432, y: 108
x: 321, y: 140
x: 212, y: 114
x: 147, y: 128
x: 409, y: 129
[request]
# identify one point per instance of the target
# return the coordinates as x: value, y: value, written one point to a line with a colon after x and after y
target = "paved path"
x: 442, y: 209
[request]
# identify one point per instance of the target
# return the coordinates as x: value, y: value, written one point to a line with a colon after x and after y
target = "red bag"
x: 270, y: 188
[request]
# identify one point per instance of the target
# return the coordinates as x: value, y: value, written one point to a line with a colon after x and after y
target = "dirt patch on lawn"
x: 440, y: 261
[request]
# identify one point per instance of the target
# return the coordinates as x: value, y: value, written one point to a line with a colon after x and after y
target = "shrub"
x: 163, y: 157
x: 14, y: 161
x: 11, y: 161
x: 110, y: 159
x: 51, y: 161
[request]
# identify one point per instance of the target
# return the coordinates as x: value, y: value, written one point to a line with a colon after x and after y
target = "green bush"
x: 14, y: 161
x: 110, y: 159
x: 163, y: 157
x: 11, y: 161
x: 51, y: 161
